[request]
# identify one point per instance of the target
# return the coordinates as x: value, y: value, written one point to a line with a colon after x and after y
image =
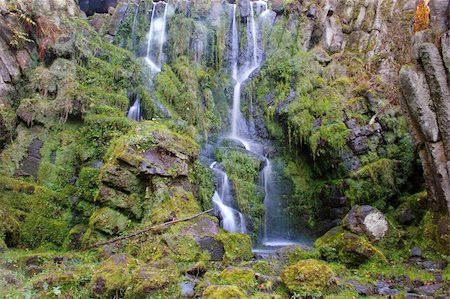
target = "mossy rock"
x: 87, y: 183
x: 120, y: 178
x: 109, y: 221
x: 183, y: 247
x: 244, y: 278
x: 75, y: 236
x: 9, y: 228
x: 116, y: 199
x: 153, y: 278
x: 113, y: 276
x: 223, y: 292
x: 341, y: 245
x: 238, y: 247
x: 309, y: 278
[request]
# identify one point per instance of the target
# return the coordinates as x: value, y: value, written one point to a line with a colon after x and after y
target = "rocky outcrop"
x: 427, y: 105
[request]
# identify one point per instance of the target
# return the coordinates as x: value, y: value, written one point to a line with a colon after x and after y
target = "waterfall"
x: 156, y: 37
x: 232, y: 220
x: 155, y: 46
x: 135, y: 111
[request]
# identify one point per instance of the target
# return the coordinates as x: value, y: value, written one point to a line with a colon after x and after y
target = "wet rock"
x: 96, y: 6
x: 434, y: 265
x: 368, y: 221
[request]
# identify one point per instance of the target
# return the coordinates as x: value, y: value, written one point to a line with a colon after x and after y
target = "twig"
x: 157, y: 227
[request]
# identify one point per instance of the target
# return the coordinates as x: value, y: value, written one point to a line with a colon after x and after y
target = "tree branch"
x: 155, y: 228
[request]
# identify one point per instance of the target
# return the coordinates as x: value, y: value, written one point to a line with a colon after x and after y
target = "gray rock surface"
x: 366, y: 220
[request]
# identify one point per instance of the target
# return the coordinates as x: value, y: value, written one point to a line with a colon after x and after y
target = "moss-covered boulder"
x: 351, y: 249
x: 109, y: 221
x: 238, y: 247
x: 154, y: 279
x: 183, y: 247
x: 244, y: 278
x: 130, y: 203
x: 113, y: 276
x: 222, y: 292
x: 309, y: 279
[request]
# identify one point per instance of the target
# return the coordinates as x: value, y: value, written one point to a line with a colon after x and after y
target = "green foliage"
x: 187, y: 88
x: 203, y: 180
x: 309, y: 278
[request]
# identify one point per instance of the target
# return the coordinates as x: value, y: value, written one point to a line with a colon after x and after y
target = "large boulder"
x: 368, y: 221
x: 349, y: 248
x: 309, y: 278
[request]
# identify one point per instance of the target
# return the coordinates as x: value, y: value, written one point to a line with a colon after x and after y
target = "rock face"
x: 366, y: 220
x: 427, y: 105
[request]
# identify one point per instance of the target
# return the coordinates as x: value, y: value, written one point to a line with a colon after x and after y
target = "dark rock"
x: 278, y: 6
x: 159, y: 161
x: 360, y: 288
x: 312, y: 12
x: 30, y: 165
x: 434, y: 265
x: 120, y: 178
x: 33, y: 270
x: 213, y: 246
x: 416, y: 252
x: 384, y: 289
x: 429, y: 290
x: 96, y: 6
x: 359, y: 144
x: 367, y: 220
x: 117, y: 18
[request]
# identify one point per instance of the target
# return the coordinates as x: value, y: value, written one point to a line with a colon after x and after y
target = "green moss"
x: 152, y: 279
x: 112, y: 276
x: 87, y: 183
x: 263, y: 267
x: 237, y: 247
x: 109, y: 221
x: 244, y: 278
x: 340, y: 245
x: 183, y: 248
x: 299, y: 254
x: 223, y: 292
x: 309, y: 278
x: 40, y: 231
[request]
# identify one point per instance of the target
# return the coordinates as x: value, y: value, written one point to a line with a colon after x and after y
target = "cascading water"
x: 135, y: 111
x: 155, y: 46
x: 275, y: 231
x: 232, y: 219
x: 157, y: 37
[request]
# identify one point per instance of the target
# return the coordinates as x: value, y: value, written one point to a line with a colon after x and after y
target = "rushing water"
x: 157, y: 36
x: 155, y: 46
